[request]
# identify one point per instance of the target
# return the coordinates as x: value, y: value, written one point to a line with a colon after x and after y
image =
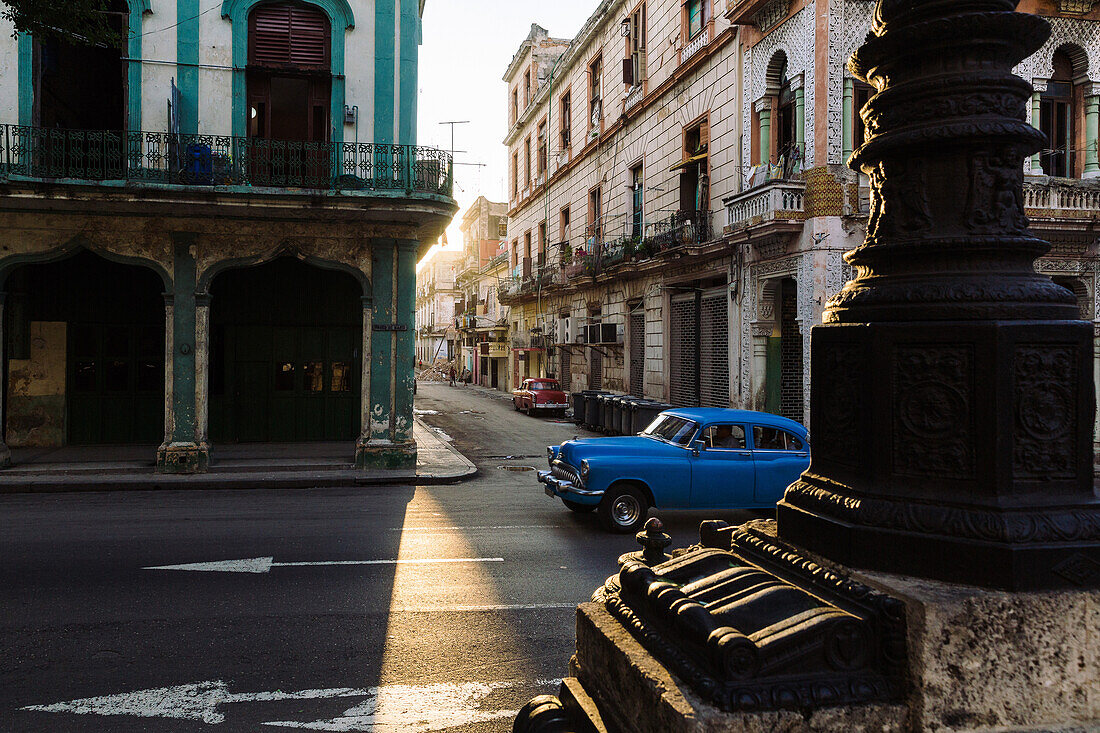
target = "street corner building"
x: 680, y: 200
x: 211, y: 234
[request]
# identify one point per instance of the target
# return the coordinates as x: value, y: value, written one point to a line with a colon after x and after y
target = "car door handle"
x: 742, y: 453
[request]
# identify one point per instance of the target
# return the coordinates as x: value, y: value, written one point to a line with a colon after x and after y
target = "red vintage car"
x: 540, y: 396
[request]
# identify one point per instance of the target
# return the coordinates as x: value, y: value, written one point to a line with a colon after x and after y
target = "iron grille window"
x: 637, y: 353
x: 714, y: 380
x: 684, y: 352
x: 595, y: 369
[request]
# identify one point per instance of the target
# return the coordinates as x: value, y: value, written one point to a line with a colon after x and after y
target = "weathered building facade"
x: 436, y: 298
x: 481, y: 321
x: 216, y: 241
x: 688, y: 204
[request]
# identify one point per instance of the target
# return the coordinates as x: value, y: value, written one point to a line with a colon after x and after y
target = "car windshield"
x: 544, y: 385
x: 671, y: 428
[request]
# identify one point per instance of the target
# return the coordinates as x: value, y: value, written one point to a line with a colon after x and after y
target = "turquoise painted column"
x: 385, y: 27
x: 187, y: 65
x: 133, y: 69
x: 1036, y: 166
x: 5, y: 452
x: 800, y: 122
x: 849, y: 118
x: 1092, y: 117
x: 764, y: 110
x: 386, y: 440
x: 405, y: 347
x: 410, y: 50
x: 180, y: 452
x: 26, y: 79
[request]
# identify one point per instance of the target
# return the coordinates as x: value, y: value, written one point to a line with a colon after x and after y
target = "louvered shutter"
x: 285, y: 35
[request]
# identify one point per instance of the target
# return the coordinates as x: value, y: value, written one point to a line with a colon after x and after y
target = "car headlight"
x: 550, y: 454
x: 584, y: 470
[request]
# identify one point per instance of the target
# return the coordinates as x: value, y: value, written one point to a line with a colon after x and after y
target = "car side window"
x: 724, y: 437
x: 764, y: 438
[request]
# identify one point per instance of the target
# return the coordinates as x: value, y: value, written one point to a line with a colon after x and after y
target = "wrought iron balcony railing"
x: 221, y: 160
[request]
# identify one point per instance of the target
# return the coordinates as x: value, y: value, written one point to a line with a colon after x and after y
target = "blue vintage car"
x: 704, y: 458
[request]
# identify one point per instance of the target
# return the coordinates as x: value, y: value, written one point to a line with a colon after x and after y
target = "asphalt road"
x: 362, y: 609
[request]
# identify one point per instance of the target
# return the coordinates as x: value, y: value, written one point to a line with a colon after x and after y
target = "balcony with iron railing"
x: 1064, y: 211
x: 778, y: 200
x: 698, y: 43
x: 633, y: 97
x: 1062, y: 198
x: 232, y: 163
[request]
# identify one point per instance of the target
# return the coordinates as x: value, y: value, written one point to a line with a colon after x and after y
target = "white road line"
x: 264, y: 564
x: 454, y: 529
x: 476, y: 609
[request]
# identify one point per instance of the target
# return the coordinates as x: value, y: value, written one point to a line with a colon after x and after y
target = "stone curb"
x: 458, y: 469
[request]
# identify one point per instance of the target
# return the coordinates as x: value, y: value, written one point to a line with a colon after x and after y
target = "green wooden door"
x: 251, y: 387
x: 115, y: 384
x: 306, y: 389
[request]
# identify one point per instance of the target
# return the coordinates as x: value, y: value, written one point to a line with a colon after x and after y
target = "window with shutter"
x: 289, y: 87
x: 289, y: 35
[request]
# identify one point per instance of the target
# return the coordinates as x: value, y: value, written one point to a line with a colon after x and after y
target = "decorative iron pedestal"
x: 952, y: 401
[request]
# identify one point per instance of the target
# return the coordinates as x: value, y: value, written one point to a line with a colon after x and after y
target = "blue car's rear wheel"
x: 623, y: 509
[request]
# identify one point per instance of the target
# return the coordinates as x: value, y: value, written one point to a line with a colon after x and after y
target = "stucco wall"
x: 9, y: 79
x: 158, y: 45
x: 215, y: 84
x: 36, y: 389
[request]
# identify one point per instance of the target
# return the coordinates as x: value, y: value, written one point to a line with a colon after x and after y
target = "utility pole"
x: 452, y: 123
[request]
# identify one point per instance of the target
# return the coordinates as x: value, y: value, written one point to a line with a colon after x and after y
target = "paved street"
x: 351, y: 609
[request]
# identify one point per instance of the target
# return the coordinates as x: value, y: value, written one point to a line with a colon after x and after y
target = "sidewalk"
x: 315, y: 465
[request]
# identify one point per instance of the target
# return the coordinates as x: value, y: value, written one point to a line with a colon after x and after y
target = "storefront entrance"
x: 85, y: 354
x: 285, y: 354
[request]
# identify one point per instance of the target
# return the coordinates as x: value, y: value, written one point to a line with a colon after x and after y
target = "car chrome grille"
x: 565, y: 472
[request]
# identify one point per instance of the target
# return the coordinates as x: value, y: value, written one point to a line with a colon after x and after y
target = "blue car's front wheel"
x: 623, y: 509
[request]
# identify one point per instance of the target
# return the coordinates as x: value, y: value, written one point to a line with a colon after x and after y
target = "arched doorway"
x: 85, y: 353
x: 285, y: 354
x: 784, y: 360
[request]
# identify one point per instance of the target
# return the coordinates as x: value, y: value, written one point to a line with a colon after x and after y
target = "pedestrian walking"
x: 452, y: 375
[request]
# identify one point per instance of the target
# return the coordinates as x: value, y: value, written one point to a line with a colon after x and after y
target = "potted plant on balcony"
x: 576, y: 267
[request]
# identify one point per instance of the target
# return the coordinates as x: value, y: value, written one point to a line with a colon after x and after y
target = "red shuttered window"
x: 288, y: 35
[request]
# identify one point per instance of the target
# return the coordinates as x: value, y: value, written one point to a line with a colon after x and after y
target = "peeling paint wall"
x: 36, y: 389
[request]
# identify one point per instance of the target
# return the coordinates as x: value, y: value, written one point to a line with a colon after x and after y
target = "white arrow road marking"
x: 404, y: 708
x: 264, y: 564
x: 413, y: 709
x: 196, y: 701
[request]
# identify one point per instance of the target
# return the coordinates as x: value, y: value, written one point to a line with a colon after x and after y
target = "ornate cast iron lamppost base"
x: 952, y: 395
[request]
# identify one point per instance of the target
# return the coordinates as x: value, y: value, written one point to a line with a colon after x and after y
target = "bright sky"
x: 468, y: 45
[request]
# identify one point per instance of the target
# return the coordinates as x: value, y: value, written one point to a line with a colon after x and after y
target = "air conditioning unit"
x: 565, y: 331
x: 605, y: 333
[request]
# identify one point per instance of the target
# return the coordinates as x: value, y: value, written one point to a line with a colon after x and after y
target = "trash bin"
x: 611, y: 416
x: 578, y: 407
x: 592, y: 408
x: 626, y: 414
x: 645, y: 413
x: 607, y: 406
